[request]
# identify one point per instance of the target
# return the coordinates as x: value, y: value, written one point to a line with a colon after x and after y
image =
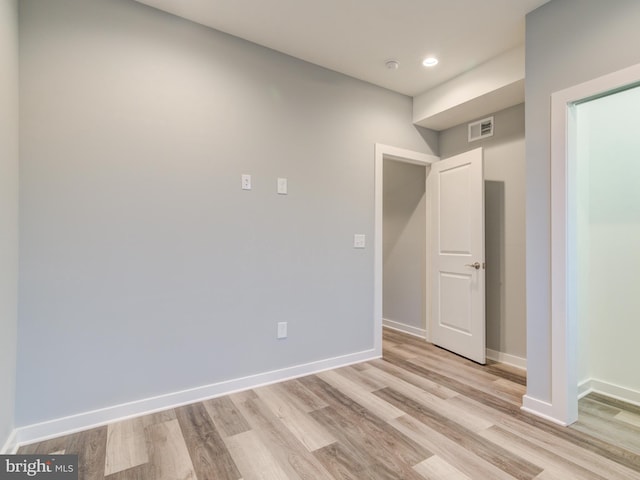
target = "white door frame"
x: 564, y: 327
x: 388, y: 152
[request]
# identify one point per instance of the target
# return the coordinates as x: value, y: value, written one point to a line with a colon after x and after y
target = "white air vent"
x: 481, y: 129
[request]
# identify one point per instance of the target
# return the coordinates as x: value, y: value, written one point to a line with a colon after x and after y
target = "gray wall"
x: 8, y: 212
x: 568, y: 42
x: 404, y: 244
x: 145, y: 269
x: 504, y: 172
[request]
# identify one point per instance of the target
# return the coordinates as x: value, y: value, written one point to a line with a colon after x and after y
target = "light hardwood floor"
x: 420, y: 412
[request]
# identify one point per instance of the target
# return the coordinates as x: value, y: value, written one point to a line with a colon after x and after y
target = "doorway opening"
x: 607, y: 236
x: 587, y: 220
x: 400, y: 157
x: 450, y: 304
x: 404, y: 247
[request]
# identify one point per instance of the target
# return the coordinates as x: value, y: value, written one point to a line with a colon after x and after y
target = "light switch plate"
x: 359, y: 240
x: 246, y: 182
x: 282, y: 330
x: 282, y: 186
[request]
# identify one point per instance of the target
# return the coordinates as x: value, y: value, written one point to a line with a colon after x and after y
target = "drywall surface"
x: 609, y: 302
x: 494, y: 85
x: 404, y: 244
x: 563, y: 39
x: 145, y: 268
x: 8, y: 212
x: 504, y: 164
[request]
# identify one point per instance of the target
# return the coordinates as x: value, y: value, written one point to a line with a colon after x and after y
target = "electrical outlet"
x: 246, y: 182
x: 282, y: 329
x: 359, y: 241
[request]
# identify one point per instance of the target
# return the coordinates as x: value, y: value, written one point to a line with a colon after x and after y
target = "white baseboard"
x: 545, y: 409
x: 402, y: 327
x: 11, y: 445
x: 95, y: 418
x: 584, y: 388
x: 507, y: 359
x: 494, y: 355
x: 541, y: 409
x: 610, y: 390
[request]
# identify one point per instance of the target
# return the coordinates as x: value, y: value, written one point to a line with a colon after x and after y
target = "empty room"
x: 298, y: 239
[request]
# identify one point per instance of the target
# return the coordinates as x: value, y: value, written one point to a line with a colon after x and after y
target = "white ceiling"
x: 356, y: 37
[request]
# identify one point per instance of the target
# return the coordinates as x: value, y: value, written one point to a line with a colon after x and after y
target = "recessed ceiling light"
x: 392, y: 64
x: 430, y: 62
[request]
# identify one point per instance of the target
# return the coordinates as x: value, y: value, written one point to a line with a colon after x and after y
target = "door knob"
x: 473, y: 265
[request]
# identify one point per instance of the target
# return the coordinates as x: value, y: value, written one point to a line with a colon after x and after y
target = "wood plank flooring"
x: 419, y: 413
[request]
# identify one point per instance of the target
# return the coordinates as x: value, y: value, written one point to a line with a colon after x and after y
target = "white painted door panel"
x: 458, y: 316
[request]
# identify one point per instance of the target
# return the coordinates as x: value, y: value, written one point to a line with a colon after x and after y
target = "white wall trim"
x: 496, y: 356
x: 610, y: 390
x: 403, y: 327
x: 540, y: 408
x: 507, y: 359
x: 584, y: 388
x: 492, y: 86
x: 11, y: 445
x: 383, y: 152
x: 95, y: 418
x: 564, y: 383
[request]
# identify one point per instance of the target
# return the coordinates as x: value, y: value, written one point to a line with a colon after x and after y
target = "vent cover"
x: 481, y: 129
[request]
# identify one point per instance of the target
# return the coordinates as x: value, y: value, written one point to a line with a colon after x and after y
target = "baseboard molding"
x: 584, y: 389
x: 541, y: 409
x: 494, y: 355
x: 507, y: 359
x: 95, y: 418
x: 402, y: 327
x: 11, y: 445
x: 610, y: 390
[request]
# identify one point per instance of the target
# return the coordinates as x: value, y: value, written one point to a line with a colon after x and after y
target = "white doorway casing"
x: 388, y: 152
x: 562, y: 407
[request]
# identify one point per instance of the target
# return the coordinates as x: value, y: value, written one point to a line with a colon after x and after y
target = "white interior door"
x: 458, y: 282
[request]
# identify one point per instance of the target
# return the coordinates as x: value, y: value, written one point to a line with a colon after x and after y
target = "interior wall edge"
x: 9, y: 205
x: 11, y: 445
